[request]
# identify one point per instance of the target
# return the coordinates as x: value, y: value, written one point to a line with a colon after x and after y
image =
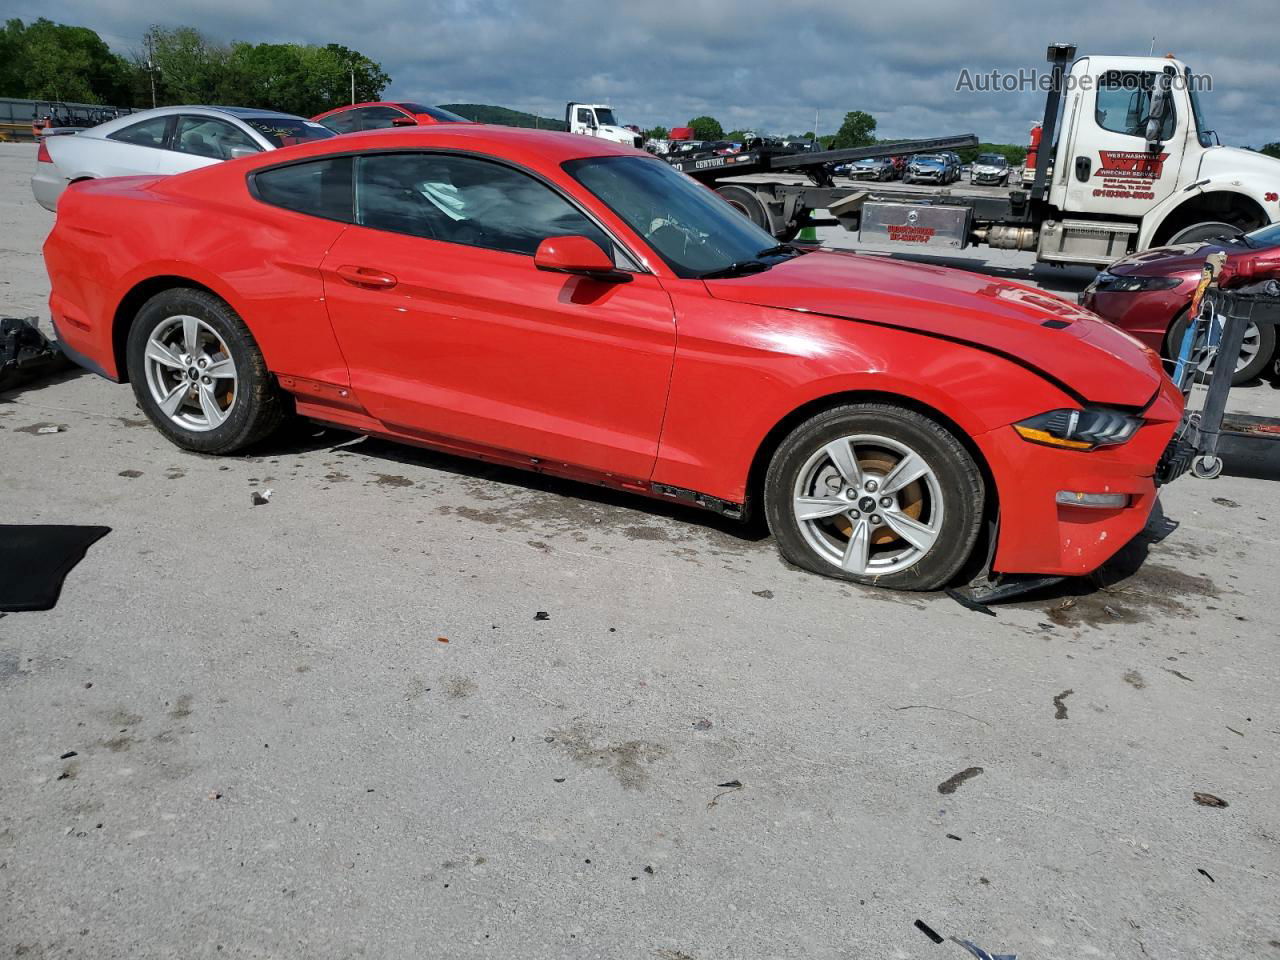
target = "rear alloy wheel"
x: 1256, y: 349
x: 875, y: 493
x: 198, y: 374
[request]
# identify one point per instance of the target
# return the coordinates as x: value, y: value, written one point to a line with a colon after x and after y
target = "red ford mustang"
x: 563, y: 304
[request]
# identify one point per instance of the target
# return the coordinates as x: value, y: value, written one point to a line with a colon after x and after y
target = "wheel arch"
x: 774, y: 437
x: 1228, y: 206
x: 129, y: 305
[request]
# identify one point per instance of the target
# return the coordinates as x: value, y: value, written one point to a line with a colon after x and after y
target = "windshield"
x: 991, y: 160
x: 1203, y: 133
x: 604, y: 117
x: 689, y: 226
x: 285, y: 131
x: 1268, y: 236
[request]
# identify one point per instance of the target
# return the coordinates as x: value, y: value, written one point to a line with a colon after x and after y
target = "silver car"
x: 163, y: 141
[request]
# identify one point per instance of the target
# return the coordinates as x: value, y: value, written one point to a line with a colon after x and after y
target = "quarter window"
x: 148, y: 133
x: 210, y: 137
x: 465, y: 200
x: 1123, y: 104
x: 320, y: 188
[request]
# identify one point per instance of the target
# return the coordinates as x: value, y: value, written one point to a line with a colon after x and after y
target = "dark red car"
x: 572, y: 306
x: 383, y: 114
x: 1147, y: 295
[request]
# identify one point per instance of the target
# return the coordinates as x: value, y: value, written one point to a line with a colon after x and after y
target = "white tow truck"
x: 597, y: 120
x: 1126, y: 162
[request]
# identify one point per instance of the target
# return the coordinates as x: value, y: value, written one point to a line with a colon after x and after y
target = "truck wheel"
x: 877, y: 494
x: 1256, y: 350
x: 745, y: 201
x: 198, y: 375
x: 1209, y: 230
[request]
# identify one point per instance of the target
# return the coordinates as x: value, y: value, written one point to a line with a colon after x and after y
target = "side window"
x: 585, y: 116
x: 1123, y: 104
x: 345, y: 122
x: 210, y: 137
x: 321, y: 188
x: 148, y: 133
x: 376, y: 118
x: 464, y: 200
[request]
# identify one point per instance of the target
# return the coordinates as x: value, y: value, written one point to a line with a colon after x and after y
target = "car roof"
x: 398, y: 104
x: 241, y: 113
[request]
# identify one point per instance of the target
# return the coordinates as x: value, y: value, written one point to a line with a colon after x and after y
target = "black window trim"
x: 1172, y: 108
x: 638, y: 264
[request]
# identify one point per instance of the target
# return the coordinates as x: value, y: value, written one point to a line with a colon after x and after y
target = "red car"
x: 380, y: 115
x: 1147, y: 294
x: 567, y: 305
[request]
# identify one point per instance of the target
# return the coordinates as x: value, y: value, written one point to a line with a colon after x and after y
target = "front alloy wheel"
x: 875, y: 493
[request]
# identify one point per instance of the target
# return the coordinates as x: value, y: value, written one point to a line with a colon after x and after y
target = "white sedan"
x: 166, y: 140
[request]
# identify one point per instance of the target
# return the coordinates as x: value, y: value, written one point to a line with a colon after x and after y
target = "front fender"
x: 741, y: 372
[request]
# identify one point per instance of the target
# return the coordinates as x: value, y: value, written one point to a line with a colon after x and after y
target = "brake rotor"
x: 910, y: 500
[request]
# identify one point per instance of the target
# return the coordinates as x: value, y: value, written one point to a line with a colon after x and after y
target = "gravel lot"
x: 277, y: 753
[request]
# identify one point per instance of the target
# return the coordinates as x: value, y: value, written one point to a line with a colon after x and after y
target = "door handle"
x: 1083, y: 166
x: 367, y: 277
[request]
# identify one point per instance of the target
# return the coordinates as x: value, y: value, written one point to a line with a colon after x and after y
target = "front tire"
x: 1198, y: 232
x: 1256, y: 350
x: 877, y: 494
x: 198, y: 374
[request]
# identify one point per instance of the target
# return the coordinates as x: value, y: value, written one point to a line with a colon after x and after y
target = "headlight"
x: 1113, y: 283
x: 1078, y: 429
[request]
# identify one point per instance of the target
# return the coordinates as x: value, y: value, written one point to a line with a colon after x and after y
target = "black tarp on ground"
x: 36, y: 558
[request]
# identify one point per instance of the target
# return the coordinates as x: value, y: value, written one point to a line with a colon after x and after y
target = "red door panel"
x: 480, y: 346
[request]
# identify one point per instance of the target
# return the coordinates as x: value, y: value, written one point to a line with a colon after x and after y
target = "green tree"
x: 858, y: 130
x: 188, y: 66
x: 1270, y: 149
x: 657, y: 133
x: 1010, y: 151
x: 706, y: 128
x: 52, y: 61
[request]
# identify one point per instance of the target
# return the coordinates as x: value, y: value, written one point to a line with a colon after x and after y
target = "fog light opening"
x: 1102, y: 501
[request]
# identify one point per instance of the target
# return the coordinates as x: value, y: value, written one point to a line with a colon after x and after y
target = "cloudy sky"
x: 749, y: 63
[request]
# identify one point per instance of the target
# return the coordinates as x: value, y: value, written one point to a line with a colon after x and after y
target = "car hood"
x: 1082, y: 353
x: 1178, y: 260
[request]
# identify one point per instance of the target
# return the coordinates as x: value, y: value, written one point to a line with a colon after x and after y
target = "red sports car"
x: 567, y: 305
x: 1147, y: 294
x: 380, y: 115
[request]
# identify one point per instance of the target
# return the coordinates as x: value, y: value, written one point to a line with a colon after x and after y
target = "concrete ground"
x: 337, y: 725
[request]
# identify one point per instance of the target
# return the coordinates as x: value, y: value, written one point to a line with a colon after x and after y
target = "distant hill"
x: 487, y: 113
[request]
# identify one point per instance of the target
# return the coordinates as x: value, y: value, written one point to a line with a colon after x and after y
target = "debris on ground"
x: 26, y: 353
x: 1225, y: 502
x: 57, y: 428
x: 969, y: 604
x: 1178, y: 673
x: 542, y: 615
x: 702, y: 724
x: 952, y: 836
x: 763, y: 594
x: 981, y: 954
x: 729, y: 786
x: 442, y: 639
x: 949, y: 785
x: 260, y: 499
x: 1203, y: 872
x: 1208, y: 800
x: 928, y: 931
x: 215, y: 794
x: 1060, y: 706
x: 68, y: 755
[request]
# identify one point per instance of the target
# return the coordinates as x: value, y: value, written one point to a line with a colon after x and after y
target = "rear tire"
x: 198, y: 374
x: 745, y: 201
x: 835, y: 499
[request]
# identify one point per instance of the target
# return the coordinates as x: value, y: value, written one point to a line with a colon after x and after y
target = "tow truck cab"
x: 597, y: 120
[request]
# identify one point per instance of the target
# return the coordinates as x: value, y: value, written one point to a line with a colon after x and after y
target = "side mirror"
x: 236, y: 153
x: 1159, y: 107
x: 577, y: 255
x: 404, y: 122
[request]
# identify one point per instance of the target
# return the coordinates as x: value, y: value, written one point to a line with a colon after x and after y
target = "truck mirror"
x: 1159, y: 106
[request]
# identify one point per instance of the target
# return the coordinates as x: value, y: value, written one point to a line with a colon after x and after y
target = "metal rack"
x: 1212, y: 340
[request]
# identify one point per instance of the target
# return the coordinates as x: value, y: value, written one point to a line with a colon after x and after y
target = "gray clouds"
x: 749, y: 63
